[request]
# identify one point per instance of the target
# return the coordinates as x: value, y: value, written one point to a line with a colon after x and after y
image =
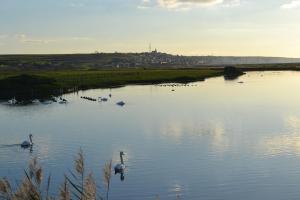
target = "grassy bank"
x: 112, y: 78
x: 42, y: 83
x: 66, y: 80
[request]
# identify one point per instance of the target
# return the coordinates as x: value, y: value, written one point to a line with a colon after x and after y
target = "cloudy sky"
x: 188, y: 27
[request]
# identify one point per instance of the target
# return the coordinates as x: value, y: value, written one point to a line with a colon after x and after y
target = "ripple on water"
x: 220, y: 140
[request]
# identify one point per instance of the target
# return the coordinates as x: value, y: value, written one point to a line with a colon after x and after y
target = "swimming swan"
x: 119, y: 168
x: 27, y: 144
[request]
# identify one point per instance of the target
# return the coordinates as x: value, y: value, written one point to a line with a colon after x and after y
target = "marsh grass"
x: 49, y: 82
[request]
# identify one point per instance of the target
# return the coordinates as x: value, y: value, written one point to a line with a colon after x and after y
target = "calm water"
x: 214, y: 140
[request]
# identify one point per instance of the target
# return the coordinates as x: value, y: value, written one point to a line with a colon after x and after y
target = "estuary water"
x: 217, y: 139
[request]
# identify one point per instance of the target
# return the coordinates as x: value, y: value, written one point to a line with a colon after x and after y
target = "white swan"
x: 62, y: 100
x: 119, y: 168
x: 27, y: 144
x: 35, y: 101
x: 12, y: 101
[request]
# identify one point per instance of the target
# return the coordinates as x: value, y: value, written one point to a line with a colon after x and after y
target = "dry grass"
x: 90, y: 189
x: 79, y: 163
x: 75, y: 186
x: 107, y: 176
x: 65, y: 191
x: 5, y: 189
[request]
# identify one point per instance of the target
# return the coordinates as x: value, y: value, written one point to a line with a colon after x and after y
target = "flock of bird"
x: 177, y: 85
x: 59, y: 100
x: 102, y: 99
x: 88, y: 98
x: 62, y: 100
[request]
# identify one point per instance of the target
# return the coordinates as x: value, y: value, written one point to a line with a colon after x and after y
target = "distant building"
x: 155, y: 51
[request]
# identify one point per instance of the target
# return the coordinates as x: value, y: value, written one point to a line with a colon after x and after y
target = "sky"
x: 185, y: 27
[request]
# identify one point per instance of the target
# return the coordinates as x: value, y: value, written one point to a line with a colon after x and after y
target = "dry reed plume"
x: 75, y: 186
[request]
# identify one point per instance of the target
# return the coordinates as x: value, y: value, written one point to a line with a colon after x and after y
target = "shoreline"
x: 42, y: 84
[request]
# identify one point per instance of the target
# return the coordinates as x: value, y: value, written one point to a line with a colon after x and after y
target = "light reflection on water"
x: 216, y: 140
x: 285, y: 142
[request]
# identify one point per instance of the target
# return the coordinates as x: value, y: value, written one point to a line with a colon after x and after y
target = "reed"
x: 90, y: 189
x: 5, y: 189
x: 65, y: 191
x: 75, y: 186
x: 107, y: 172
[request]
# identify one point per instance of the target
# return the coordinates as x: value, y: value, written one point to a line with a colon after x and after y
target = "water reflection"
x: 287, y: 141
x: 213, y: 130
x: 177, y: 190
x: 219, y: 140
x: 17, y: 147
x: 173, y: 131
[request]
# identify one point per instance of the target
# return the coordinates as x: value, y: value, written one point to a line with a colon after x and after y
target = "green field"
x: 113, y: 78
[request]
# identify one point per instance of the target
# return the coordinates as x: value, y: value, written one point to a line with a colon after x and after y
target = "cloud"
x: 25, y: 39
x: 232, y: 3
x: 3, y: 36
x: 143, y: 7
x: 79, y: 38
x: 291, y: 5
x: 22, y: 38
x: 187, y: 4
x: 77, y: 5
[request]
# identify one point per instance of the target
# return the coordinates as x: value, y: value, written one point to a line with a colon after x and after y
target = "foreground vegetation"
x: 78, y: 185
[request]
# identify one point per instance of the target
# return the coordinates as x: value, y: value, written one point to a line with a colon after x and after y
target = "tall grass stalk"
x: 107, y: 173
x: 75, y: 186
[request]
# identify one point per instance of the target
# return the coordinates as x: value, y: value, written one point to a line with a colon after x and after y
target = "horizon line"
x: 116, y: 52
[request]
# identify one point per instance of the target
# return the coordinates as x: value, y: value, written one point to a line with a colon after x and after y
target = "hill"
x: 128, y: 60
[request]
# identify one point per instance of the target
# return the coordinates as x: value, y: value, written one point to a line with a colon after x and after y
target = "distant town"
x: 128, y: 60
x: 156, y: 58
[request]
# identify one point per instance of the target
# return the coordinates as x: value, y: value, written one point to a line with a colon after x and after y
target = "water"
x: 213, y: 140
